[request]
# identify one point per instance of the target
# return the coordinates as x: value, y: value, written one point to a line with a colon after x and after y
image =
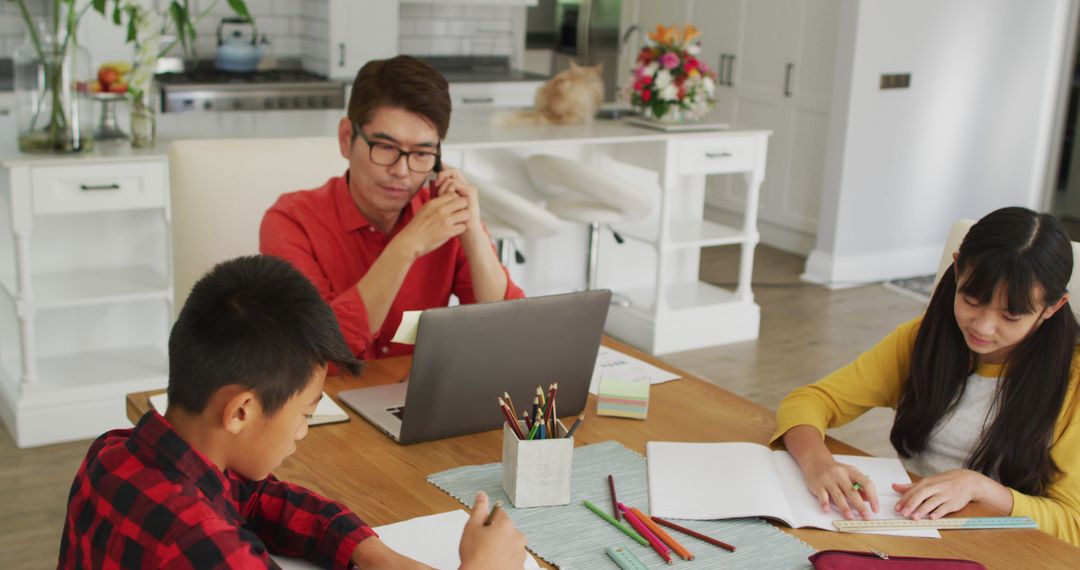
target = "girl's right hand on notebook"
x: 497, y: 546
x: 827, y: 479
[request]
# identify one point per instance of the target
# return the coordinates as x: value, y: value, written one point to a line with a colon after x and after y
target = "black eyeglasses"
x: 385, y: 154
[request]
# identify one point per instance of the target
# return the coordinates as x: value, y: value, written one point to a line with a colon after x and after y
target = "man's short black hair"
x: 254, y: 321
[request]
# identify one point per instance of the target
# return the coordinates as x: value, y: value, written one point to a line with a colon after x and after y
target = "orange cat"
x: 571, y: 97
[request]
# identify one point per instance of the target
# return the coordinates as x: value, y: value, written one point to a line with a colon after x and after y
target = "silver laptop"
x: 467, y: 356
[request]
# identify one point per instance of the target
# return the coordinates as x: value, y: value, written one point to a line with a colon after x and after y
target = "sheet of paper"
x: 883, y: 471
x: 326, y: 411
x: 712, y: 481
x: 406, y: 331
x: 612, y: 363
x: 432, y: 540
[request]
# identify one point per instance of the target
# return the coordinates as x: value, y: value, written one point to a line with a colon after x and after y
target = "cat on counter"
x: 572, y: 96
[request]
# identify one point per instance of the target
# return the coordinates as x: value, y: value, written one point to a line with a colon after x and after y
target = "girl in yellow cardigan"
x: 984, y: 385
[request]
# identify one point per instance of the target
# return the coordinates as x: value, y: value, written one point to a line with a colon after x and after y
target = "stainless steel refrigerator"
x: 587, y: 32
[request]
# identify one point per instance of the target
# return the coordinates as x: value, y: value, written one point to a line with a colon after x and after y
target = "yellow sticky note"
x: 406, y: 331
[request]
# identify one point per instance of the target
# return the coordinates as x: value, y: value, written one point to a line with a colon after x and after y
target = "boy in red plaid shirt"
x: 247, y: 361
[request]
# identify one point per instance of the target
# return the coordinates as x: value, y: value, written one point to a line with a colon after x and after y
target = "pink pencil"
x: 644, y: 531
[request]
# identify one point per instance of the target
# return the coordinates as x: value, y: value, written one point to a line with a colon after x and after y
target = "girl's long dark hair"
x: 1019, y: 250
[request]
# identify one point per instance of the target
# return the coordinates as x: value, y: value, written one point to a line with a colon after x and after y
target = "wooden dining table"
x: 386, y: 482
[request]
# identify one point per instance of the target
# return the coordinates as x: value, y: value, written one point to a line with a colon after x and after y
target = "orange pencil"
x: 644, y: 531
x: 659, y: 532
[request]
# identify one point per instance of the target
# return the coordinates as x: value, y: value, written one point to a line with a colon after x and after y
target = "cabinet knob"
x: 93, y: 187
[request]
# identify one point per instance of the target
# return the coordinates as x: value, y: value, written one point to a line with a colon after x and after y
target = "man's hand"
x: 948, y: 492
x: 438, y: 221
x: 451, y: 181
x: 498, y: 547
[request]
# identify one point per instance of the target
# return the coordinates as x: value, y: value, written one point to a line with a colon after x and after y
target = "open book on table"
x: 704, y: 481
x: 326, y: 411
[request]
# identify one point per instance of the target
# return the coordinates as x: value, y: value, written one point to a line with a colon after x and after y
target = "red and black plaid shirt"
x: 144, y: 498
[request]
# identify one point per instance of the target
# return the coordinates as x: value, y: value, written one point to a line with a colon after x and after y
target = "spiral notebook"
x: 326, y: 412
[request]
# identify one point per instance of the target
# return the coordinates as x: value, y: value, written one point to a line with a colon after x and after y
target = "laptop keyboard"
x: 398, y: 412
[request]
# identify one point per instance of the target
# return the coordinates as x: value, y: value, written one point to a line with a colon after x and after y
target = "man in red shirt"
x: 193, y: 490
x: 382, y: 239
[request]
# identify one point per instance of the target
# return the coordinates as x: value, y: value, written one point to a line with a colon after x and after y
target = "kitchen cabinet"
x: 85, y: 290
x: 359, y: 32
x: 777, y: 75
x: 493, y: 94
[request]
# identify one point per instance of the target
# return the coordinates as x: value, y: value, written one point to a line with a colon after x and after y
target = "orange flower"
x: 689, y: 33
x: 664, y: 35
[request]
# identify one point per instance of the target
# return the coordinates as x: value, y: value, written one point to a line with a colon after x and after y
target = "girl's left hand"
x: 941, y: 494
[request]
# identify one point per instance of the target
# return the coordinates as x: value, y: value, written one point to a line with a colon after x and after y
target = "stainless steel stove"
x: 207, y: 89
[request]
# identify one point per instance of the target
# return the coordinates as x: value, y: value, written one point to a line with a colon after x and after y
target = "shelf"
x: 678, y: 296
x: 93, y: 287
x: 85, y: 376
x: 688, y: 234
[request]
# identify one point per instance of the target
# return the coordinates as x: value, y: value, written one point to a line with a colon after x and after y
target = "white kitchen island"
x: 662, y: 306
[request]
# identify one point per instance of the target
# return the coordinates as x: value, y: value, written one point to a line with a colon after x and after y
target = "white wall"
x: 970, y: 135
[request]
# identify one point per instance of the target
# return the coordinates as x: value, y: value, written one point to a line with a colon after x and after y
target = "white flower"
x: 693, y: 49
x: 670, y: 92
x: 710, y: 86
x: 651, y: 68
x: 663, y: 79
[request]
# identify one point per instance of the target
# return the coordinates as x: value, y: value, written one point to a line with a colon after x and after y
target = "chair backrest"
x: 221, y: 189
x: 960, y: 229
x: 610, y: 190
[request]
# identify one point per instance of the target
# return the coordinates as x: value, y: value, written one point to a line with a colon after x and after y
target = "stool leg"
x: 505, y: 251
x: 594, y: 256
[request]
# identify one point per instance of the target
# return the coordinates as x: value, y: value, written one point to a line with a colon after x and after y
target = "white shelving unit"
x: 85, y: 290
x: 678, y: 311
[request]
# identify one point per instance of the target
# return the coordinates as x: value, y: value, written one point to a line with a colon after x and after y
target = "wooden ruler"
x: 954, y: 523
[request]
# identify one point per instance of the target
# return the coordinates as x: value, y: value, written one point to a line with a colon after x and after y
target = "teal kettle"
x: 236, y: 53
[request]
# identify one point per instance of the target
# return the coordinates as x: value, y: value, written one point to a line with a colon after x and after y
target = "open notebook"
x: 705, y: 481
x: 432, y: 540
x: 326, y: 412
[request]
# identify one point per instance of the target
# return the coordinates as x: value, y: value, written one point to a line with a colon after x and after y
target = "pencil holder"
x: 536, y: 473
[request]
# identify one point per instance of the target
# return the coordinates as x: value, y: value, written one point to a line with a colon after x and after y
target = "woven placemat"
x: 572, y: 537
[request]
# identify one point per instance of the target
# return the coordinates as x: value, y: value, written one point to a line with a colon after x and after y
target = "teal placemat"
x: 572, y: 537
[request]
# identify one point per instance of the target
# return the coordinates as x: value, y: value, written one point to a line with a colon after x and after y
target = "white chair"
x: 956, y: 236
x: 510, y: 217
x: 221, y: 189
x: 582, y: 194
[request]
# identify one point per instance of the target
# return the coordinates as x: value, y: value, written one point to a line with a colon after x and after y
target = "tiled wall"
x: 12, y: 28
x: 279, y: 20
x: 314, y: 35
x: 453, y: 29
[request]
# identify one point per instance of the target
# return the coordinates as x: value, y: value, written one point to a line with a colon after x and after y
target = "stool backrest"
x: 610, y: 190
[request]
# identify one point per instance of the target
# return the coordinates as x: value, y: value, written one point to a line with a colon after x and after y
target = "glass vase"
x: 144, y: 117
x: 54, y: 112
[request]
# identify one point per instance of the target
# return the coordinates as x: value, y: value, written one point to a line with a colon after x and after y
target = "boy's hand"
x: 374, y: 553
x: 498, y: 547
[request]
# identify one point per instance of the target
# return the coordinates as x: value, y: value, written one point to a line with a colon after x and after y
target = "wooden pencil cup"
x: 536, y: 473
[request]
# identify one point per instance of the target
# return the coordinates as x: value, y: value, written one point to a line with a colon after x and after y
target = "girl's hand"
x: 843, y: 485
x: 944, y: 493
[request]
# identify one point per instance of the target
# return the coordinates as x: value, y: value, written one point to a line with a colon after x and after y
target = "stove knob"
x: 283, y: 103
x: 237, y: 104
x: 207, y: 105
x: 268, y: 103
x: 298, y: 102
x: 312, y: 102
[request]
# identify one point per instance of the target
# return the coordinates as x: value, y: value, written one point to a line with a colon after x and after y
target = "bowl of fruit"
x: 110, y: 86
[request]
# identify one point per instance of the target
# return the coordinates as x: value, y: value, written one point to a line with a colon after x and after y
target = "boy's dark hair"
x: 254, y: 321
x: 402, y: 81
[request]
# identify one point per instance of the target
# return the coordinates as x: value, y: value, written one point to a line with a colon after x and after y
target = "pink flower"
x: 669, y: 60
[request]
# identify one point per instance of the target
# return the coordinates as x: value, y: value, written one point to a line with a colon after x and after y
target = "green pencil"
x: 629, y: 532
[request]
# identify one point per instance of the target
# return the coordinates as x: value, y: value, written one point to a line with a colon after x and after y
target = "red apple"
x: 118, y: 87
x: 107, y: 76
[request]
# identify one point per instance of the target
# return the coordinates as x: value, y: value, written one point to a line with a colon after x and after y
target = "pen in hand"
x: 491, y: 515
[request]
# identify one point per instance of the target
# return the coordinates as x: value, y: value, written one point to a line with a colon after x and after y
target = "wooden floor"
x: 806, y: 332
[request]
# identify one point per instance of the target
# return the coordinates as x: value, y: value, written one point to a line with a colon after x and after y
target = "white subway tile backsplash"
x: 407, y: 11
x: 415, y: 46
x: 458, y: 29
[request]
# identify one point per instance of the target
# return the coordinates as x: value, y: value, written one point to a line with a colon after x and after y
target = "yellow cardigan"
x: 876, y: 379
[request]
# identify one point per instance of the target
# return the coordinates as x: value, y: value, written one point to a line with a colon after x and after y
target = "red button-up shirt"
x: 324, y: 235
x: 144, y: 498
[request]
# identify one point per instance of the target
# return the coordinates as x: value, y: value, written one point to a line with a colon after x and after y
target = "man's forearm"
x: 380, y: 285
x: 488, y: 276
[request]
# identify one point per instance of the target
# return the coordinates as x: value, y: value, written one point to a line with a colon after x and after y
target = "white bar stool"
x: 579, y: 193
x: 510, y: 217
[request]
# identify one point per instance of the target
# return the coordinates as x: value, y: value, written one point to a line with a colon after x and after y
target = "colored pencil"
x: 537, y: 422
x: 491, y: 515
x: 574, y: 427
x: 528, y: 420
x: 629, y: 532
x: 644, y: 531
x: 694, y: 534
x: 611, y: 487
x: 511, y: 420
x: 659, y: 532
x: 510, y: 404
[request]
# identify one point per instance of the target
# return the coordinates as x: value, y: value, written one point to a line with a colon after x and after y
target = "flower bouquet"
x: 669, y: 82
